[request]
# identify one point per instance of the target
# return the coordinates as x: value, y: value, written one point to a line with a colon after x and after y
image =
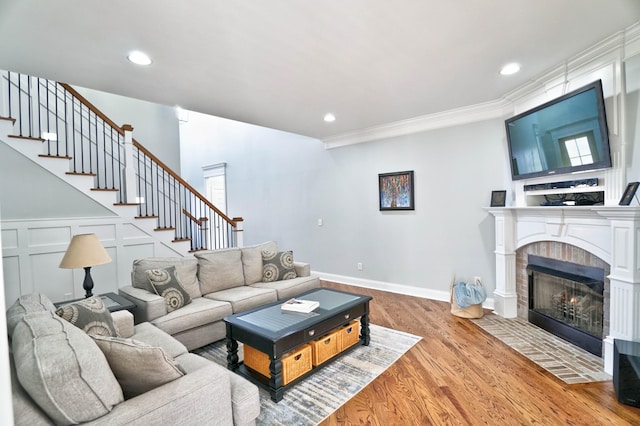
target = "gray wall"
x: 154, y: 126
x: 27, y: 191
x: 281, y: 184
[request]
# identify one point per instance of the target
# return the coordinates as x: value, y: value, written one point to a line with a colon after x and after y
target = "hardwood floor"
x: 460, y: 375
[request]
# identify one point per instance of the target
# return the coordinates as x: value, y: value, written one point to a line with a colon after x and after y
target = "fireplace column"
x: 505, y: 297
x: 624, y: 312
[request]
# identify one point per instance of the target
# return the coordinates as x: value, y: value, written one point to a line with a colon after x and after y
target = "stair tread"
x: 29, y: 138
x: 80, y: 174
x: 61, y: 157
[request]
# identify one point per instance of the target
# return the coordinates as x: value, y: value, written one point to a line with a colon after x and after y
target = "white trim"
x: 455, y: 117
x: 408, y: 290
x: 6, y: 406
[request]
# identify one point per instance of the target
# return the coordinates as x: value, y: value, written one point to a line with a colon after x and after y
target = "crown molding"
x: 480, y: 112
x: 612, y: 50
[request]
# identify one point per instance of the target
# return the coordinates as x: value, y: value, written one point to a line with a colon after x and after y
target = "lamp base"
x: 88, y: 282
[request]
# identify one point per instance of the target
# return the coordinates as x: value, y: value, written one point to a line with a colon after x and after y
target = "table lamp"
x: 85, y: 251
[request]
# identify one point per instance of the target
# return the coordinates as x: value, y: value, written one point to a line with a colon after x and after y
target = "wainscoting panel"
x: 32, y: 251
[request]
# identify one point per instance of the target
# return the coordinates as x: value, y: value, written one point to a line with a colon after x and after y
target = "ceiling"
x: 284, y: 63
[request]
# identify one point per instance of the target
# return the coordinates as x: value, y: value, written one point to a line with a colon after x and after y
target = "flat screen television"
x: 565, y: 135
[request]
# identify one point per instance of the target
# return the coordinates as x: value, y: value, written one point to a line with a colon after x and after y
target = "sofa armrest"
x: 194, y: 399
x: 149, y: 306
x: 123, y: 321
x: 302, y: 269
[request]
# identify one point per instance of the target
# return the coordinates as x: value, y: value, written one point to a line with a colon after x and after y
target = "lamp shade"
x: 84, y: 250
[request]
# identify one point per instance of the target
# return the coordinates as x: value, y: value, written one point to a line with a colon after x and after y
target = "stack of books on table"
x: 299, y: 305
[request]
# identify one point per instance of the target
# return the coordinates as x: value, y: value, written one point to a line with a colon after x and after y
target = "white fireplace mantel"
x: 611, y: 233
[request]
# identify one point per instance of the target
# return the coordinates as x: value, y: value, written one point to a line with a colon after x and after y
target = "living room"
x: 322, y: 200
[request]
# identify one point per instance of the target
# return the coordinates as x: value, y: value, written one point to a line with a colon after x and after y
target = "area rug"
x: 567, y: 362
x: 315, y: 398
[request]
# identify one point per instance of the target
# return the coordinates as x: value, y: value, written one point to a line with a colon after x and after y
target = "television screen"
x: 565, y: 135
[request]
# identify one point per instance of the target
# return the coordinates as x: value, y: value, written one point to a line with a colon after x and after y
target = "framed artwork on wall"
x: 396, y: 190
x: 629, y: 193
x: 498, y: 198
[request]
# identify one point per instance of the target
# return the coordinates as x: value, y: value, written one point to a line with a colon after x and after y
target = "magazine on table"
x: 299, y: 305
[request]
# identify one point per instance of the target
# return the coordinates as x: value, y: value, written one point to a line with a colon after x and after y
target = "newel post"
x: 239, y: 231
x: 129, y: 171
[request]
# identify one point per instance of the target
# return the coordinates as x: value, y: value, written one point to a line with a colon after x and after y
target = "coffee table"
x: 274, y: 332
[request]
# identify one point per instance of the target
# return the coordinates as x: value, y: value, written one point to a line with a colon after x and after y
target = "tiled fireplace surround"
x: 607, y: 237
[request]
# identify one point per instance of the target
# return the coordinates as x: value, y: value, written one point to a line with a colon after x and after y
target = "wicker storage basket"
x: 326, y: 347
x: 294, y: 363
x: 349, y: 335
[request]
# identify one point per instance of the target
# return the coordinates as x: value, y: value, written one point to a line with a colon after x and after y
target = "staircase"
x: 57, y: 128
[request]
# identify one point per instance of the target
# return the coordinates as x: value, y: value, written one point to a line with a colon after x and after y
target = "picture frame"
x: 629, y: 193
x: 395, y: 191
x: 498, y: 198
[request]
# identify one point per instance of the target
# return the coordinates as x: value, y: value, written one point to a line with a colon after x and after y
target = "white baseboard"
x: 425, y: 293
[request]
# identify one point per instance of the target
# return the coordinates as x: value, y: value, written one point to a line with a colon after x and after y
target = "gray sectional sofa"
x: 63, y: 374
x: 219, y: 283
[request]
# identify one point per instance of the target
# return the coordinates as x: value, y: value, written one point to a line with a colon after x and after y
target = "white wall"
x: 281, y: 184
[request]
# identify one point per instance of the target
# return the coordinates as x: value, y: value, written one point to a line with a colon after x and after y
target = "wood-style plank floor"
x: 460, y: 375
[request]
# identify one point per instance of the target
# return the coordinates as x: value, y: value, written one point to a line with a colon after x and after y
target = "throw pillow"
x: 277, y: 266
x: 166, y: 284
x: 138, y: 367
x: 252, y: 261
x: 89, y: 315
x: 186, y: 271
x: 62, y: 370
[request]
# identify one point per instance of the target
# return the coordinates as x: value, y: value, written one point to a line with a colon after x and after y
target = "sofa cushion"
x: 151, y: 335
x: 291, y: 288
x: 252, y: 261
x: 277, y: 266
x: 33, y: 302
x: 219, y: 270
x: 165, y: 283
x: 186, y: 271
x: 63, y: 370
x: 138, y: 366
x: 244, y: 297
x: 89, y: 315
x: 199, y: 312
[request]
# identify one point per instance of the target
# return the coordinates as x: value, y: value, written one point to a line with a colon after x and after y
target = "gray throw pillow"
x: 89, y: 315
x: 277, y: 266
x: 186, y: 271
x: 137, y: 366
x: 166, y: 284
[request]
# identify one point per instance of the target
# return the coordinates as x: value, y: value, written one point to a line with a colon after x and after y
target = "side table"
x: 114, y: 302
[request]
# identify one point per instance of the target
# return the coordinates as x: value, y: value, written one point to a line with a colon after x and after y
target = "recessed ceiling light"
x: 329, y: 118
x: 139, y: 58
x: 509, y: 69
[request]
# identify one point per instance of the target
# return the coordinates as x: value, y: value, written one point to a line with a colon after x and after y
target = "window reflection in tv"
x: 565, y: 135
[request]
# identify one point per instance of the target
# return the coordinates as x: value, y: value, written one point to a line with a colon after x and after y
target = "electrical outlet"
x: 477, y: 280
x: 359, y: 265
x: 67, y: 296
x: 320, y: 222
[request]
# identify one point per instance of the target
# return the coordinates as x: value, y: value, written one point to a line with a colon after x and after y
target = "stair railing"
x: 73, y: 128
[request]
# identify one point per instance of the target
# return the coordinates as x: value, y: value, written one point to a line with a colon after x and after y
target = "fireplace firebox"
x: 566, y: 299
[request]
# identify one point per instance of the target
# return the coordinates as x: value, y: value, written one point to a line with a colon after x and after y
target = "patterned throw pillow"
x: 137, y: 366
x: 89, y: 315
x: 165, y: 283
x: 277, y: 266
